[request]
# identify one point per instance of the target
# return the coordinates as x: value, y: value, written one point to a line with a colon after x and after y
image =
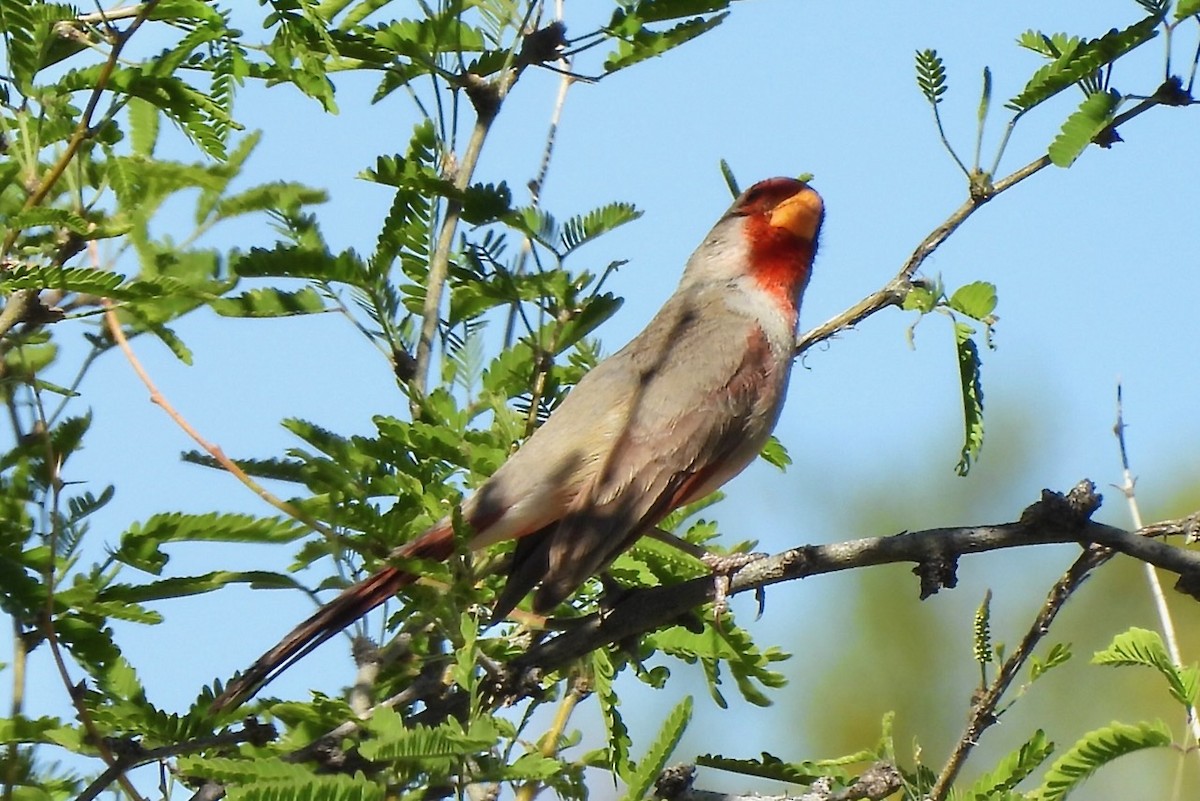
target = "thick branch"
x: 934, y: 551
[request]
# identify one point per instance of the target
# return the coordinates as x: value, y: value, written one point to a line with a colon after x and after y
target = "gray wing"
x: 682, y: 408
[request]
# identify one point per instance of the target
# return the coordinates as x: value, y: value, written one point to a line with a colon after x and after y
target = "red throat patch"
x: 783, y: 219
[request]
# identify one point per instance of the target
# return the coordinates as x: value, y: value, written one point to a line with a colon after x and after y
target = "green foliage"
x: 1081, y: 128
x: 1096, y: 749
x: 1012, y: 769
x: 1058, y: 654
x: 1077, y: 59
x: 977, y: 301
x: 769, y: 766
x: 652, y: 764
x: 83, y: 135
x: 270, y: 302
x: 972, y: 395
x: 721, y: 642
x: 637, y: 42
x: 1144, y: 648
x: 931, y: 76
x: 616, y: 755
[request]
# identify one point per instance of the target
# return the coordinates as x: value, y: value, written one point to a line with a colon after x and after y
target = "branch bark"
x: 935, y: 552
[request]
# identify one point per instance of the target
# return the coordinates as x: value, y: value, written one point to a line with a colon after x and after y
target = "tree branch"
x: 983, y: 711
x: 934, y: 551
x: 894, y: 292
x: 134, y: 755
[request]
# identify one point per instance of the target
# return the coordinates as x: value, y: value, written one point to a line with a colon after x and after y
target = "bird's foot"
x: 723, y: 566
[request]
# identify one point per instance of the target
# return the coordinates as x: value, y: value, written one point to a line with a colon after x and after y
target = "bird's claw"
x: 723, y: 566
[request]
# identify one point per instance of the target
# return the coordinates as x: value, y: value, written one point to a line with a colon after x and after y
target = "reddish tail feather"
x: 353, y: 603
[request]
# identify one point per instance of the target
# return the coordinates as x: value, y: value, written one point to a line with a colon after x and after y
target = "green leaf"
x: 280, y: 196
x: 769, y: 766
x: 1096, y: 749
x: 730, y: 180
x: 68, y: 279
x: 652, y: 764
x: 21, y: 729
x: 976, y: 300
x: 184, y: 586
x: 985, y: 97
x: 273, y: 779
x: 1083, y: 60
x: 581, y: 229
x: 1186, y: 8
x: 1081, y: 128
x: 616, y: 734
x: 17, y: 25
x: 921, y: 298
x: 165, y: 335
x: 291, y: 261
x: 1013, y: 769
x: 270, y: 303
x: 637, y: 43
x: 774, y: 453
x: 1157, y: 7
x: 722, y: 643
x: 972, y: 396
x: 1142, y: 647
x: 143, y: 127
x: 1051, y: 46
x: 445, y: 744
x: 1058, y: 654
x: 931, y: 76
x: 140, y: 543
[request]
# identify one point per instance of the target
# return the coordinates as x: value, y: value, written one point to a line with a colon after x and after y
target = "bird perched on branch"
x: 680, y: 410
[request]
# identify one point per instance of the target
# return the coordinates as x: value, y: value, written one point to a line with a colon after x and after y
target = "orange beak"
x: 801, y: 213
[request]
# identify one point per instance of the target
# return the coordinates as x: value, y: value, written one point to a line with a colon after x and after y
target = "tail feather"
x: 353, y: 603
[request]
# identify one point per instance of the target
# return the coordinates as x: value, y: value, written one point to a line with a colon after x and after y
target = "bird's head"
x: 768, y: 235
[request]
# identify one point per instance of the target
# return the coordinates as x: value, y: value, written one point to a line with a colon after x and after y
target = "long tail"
x: 330, y: 619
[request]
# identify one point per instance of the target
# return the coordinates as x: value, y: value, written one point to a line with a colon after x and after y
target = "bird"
x: 685, y: 406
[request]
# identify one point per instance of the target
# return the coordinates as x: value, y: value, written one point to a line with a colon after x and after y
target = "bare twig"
x: 21, y: 305
x: 214, y: 450
x: 878, y: 781
x: 1166, y: 622
x: 439, y: 263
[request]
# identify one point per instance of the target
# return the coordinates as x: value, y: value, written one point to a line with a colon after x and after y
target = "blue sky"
x: 1096, y: 269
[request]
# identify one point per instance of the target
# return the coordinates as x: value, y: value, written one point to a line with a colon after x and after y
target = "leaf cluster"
x: 82, y: 121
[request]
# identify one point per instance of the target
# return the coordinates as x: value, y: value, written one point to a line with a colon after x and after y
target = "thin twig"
x: 251, y: 732
x: 439, y: 263
x: 86, y: 719
x: 552, y: 739
x: 1165, y: 621
x: 214, y: 450
x: 894, y: 292
x: 983, y: 713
